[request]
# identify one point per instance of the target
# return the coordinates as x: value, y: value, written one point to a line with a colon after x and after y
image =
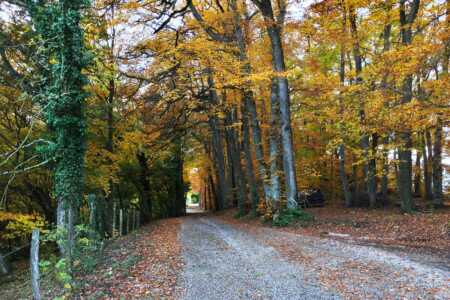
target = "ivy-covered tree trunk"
x: 63, y: 101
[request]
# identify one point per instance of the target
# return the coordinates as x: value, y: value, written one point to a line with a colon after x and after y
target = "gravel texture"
x: 227, y: 262
x: 224, y: 263
x: 362, y: 272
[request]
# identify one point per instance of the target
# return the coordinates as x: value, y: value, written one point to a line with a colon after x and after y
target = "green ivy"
x: 61, y: 58
x: 86, y: 254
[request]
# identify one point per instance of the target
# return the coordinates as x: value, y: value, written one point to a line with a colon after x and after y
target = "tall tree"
x: 407, y: 18
x: 274, y: 27
x: 62, y: 99
x: 438, y: 133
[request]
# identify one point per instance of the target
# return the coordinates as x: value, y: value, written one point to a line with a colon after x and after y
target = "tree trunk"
x: 274, y: 27
x: 275, y: 187
x: 231, y: 172
x: 343, y: 175
x: 427, y: 157
x: 355, y: 187
x: 180, y: 199
x: 404, y: 172
x: 437, y: 165
x: 341, y: 147
x: 224, y: 186
x: 371, y: 178
x: 404, y: 152
x: 250, y: 102
x: 233, y: 141
x: 64, y: 105
x: 285, y: 109
x: 250, y: 173
x: 219, y: 163
x: 66, y: 218
x: 212, y: 194
x: 386, y: 47
x: 365, y: 141
x: 417, y: 174
x: 110, y: 137
x: 385, y: 175
x: 144, y: 178
x: 438, y: 135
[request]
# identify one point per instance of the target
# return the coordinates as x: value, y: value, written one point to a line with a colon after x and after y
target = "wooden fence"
x: 122, y: 222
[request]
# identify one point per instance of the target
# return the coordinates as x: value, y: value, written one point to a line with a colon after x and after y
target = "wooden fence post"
x: 113, y: 231
x: 138, y: 219
x: 128, y: 220
x: 133, y: 219
x: 120, y: 222
x: 34, y: 259
x: 4, y: 267
x: 93, y: 212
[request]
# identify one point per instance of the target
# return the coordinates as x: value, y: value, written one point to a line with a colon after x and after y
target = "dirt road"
x: 222, y: 261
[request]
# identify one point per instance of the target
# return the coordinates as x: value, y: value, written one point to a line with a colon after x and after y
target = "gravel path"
x: 225, y: 262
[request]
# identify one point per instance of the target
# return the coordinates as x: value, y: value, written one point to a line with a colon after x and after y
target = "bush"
x: 289, y: 216
x: 86, y: 254
x: 18, y: 227
x: 195, y: 199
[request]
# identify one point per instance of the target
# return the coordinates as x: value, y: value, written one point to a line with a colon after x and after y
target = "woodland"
x: 114, y: 112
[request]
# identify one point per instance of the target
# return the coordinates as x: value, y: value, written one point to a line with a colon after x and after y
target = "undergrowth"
x: 289, y: 216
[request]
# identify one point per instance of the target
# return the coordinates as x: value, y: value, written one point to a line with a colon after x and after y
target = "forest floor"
x: 424, y: 231
x: 345, y: 254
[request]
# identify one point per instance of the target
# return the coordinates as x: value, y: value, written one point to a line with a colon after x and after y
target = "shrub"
x: 289, y: 216
x: 16, y: 226
x: 85, y: 256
